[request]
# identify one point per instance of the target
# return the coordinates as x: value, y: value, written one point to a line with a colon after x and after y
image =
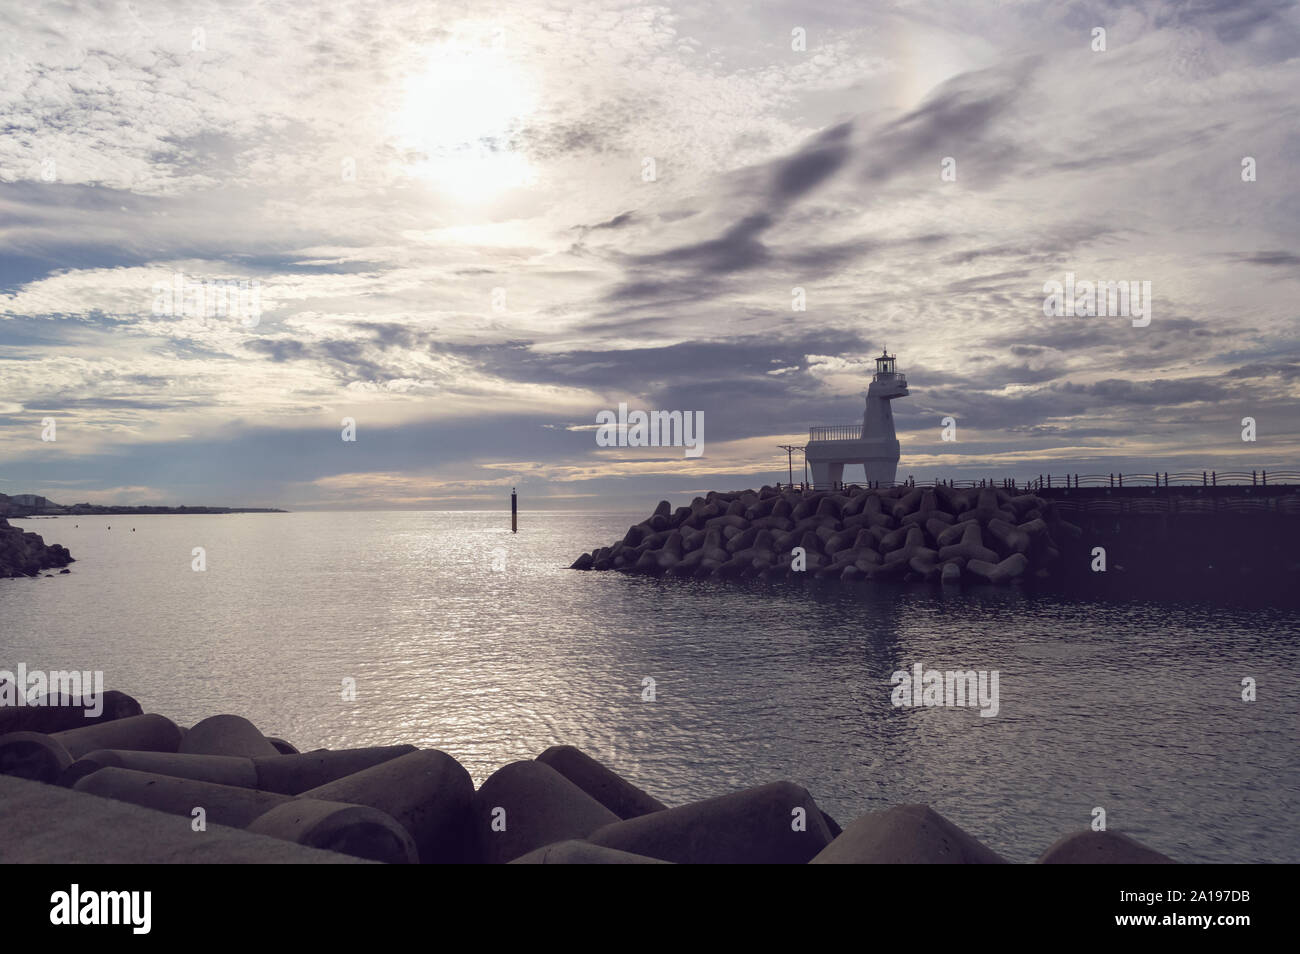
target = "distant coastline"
x: 30, y: 505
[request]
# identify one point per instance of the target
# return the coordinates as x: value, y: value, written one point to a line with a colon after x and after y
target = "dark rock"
x: 23, y: 553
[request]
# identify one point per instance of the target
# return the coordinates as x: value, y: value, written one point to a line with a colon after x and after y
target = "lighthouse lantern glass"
x: 884, y: 365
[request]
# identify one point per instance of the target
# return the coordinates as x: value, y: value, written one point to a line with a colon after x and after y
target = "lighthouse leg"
x: 825, y: 473
x: 885, y: 472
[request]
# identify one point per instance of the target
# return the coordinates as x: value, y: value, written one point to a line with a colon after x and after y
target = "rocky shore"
x: 135, y: 787
x: 23, y: 553
x: 936, y: 534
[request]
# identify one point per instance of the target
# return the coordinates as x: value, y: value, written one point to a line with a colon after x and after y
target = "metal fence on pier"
x: 1065, y: 482
x: 1204, y: 478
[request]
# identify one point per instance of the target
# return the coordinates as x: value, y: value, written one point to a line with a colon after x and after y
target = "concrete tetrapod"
x: 221, y: 804
x: 1101, y: 848
x: 528, y: 805
x: 43, y: 758
x: 778, y: 823
x: 227, y: 735
x: 574, y: 852
x: 47, y: 825
x: 610, y: 789
x: 220, y: 769
x: 906, y: 834
x: 283, y: 774
x: 970, y: 548
x: 1011, y: 537
x: 58, y: 714
x: 427, y: 792
x: 295, y: 774
x: 901, y: 533
x: 357, y: 830
x: 1009, y: 569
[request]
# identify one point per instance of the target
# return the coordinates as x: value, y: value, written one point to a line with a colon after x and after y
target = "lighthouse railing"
x: 836, y: 432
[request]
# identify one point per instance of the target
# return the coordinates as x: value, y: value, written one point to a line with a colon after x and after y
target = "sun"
x: 460, y: 120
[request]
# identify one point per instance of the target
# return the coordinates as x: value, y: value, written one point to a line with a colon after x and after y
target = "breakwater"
x: 1221, y: 543
x: 1225, y: 543
x: 938, y: 533
x: 132, y: 787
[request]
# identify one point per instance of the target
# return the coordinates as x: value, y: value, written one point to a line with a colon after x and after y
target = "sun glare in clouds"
x: 460, y: 115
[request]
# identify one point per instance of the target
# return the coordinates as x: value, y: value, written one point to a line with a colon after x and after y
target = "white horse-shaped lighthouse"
x: 874, y: 445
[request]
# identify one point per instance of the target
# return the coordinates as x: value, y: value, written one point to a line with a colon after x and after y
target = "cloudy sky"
x: 473, y: 226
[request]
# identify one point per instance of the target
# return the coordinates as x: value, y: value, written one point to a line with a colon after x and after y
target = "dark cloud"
x: 737, y: 248
x: 1267, y: 21
x: 617, y: 221
x: 811, y: 167
x: 278, y: 349
x: 1277, y: 258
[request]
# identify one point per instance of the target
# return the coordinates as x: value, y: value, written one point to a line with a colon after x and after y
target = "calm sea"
x: 464, y: 637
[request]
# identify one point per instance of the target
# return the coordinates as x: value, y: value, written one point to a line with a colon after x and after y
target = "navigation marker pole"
x: 514, y: 511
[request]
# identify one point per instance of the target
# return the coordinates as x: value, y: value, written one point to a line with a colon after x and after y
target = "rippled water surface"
x: 1133, y: 707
